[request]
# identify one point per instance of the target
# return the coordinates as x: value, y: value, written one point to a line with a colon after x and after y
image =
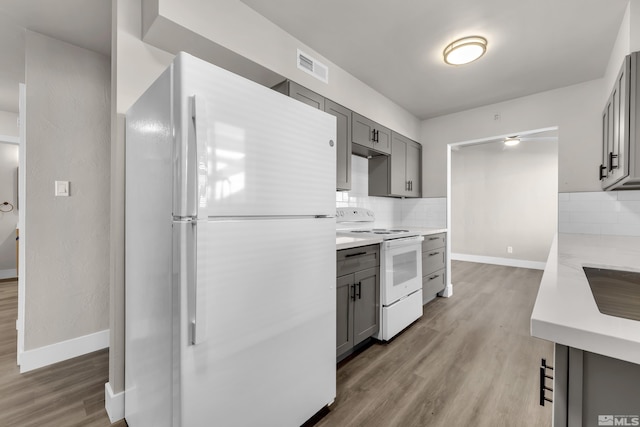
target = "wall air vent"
x: 311, y: 66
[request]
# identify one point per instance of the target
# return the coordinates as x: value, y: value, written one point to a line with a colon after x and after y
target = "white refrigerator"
x: 230, y: 253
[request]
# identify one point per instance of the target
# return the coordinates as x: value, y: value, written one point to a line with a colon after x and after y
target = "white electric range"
x: 400, y: 268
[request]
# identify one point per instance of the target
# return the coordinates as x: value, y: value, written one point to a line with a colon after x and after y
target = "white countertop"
x: 565, y: 311
x: 344, y: 241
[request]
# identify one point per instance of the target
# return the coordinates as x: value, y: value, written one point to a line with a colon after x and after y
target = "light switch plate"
x: 62, y: 188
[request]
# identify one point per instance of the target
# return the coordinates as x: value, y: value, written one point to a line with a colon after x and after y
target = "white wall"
x: 574, y: 109
x: 8, y: 221
x: 8, y: 123
x: 504, y: 196
x: 67, y: 245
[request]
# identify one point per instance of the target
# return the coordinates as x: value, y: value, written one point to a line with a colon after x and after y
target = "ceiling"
x: 84, y: 23
x: 396, y: 46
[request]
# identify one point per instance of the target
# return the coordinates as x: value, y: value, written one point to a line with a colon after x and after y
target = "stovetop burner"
x: 366, y: 217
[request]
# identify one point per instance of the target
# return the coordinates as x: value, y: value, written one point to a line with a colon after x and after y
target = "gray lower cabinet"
x: 371, y: 138
x: 357, y: 298
x: 398, y: 174
x: 434, y: 271
x: 591, y: 390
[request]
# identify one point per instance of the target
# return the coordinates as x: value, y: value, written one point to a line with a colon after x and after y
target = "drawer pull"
x: 434, y: 238
x: 434, y: 277
x: 356, y: 254
x: 543, y: 386
x: 434, y: 253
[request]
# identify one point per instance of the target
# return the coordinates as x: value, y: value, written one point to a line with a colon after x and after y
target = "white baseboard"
x: 8, y: 274
x: 54, y: 353
x: 509, y: 262
x: 113, y: 403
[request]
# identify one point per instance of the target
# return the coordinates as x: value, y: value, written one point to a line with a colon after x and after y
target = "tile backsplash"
x: 602, y: 212
x: 390, y: 211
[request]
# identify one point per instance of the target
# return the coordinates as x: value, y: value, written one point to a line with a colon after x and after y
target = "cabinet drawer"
x: 433, y: 260
x: 434, y: 241
x: 433, y: 283
x: 356, y: 259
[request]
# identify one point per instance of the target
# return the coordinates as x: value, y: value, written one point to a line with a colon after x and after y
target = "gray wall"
x: 505, y: 196
x: 8, y: 123
x: 67, y: 245
x: 8, y: 221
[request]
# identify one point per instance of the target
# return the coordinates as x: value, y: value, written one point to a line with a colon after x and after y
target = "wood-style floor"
x: 469, y: 361
x: 67, y: 394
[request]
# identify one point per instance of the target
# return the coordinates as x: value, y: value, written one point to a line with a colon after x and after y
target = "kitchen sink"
x: 617, y: 293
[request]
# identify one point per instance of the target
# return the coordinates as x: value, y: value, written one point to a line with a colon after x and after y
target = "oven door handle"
x: 407, y: 241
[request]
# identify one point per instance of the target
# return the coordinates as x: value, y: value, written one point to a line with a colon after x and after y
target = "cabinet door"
x: 604, y: 166
x: 618, y: 147
x: 414, y: 160
x: 305, y: 95
x: 399, y: 183
x: 370, y: 134
x: 343, y: 153
x: 366, y: 320
x: 344, y: 320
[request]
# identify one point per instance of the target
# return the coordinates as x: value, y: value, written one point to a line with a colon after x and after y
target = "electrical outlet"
x: 509, y: 249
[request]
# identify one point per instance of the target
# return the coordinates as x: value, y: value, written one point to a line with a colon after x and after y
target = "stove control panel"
x: 354, y: 215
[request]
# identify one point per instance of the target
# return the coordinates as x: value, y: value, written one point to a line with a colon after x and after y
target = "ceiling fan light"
x: 465, y: 50
x: 511, y: 141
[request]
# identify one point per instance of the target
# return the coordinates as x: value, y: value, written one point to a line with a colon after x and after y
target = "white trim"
x: 113, y: 403
x: 64, y: 350
x: 10, y: 139
x: 509, y: 262
x: 8, y: 274
x: 22, y: 208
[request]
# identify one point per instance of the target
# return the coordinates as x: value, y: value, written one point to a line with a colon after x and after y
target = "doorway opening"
x: 502, y: 199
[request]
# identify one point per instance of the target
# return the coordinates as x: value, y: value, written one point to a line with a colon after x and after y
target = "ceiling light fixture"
x: 465, y: 50
x: 511, y: 141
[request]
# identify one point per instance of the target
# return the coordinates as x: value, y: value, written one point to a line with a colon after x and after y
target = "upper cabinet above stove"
x: 370, y: 138
x: 620, y: 168
x: 397, y: 175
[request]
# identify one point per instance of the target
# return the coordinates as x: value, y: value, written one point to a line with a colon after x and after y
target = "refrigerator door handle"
x: 195, y: 295
x: 199, y: 116
x: 193, y: 191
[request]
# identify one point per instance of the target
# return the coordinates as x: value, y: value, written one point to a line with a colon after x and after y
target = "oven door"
x: 401, y: 268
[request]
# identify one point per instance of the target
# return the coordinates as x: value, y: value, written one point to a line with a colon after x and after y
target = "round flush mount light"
x: 465, y: 50
x: 511, y: 141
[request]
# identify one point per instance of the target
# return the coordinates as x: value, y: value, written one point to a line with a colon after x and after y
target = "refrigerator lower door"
x: 265, y: 303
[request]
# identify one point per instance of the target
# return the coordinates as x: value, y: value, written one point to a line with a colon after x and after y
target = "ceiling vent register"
x: 312, y: 66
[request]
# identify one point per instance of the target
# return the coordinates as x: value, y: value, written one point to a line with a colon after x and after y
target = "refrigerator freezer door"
x: 268, y: 358
x: 259, y: 153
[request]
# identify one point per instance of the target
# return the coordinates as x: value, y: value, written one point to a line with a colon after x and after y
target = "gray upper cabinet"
x: 302, y: 94
x: 369, y: 135
x: 343, y: 143
x: 343, y: 130
x: 620, y: 167
x: 399, y: 174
